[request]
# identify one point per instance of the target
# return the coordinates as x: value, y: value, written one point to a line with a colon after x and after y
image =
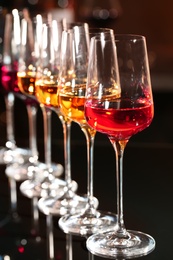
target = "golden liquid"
x: 72, y: 103
x: 47, y: 94
x: 73, y: 107
x: 26, y: 83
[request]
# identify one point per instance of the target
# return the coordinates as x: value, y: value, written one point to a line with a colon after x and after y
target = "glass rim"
x: 90, y: 30
x: 130, y: 36
x: 118, y: 37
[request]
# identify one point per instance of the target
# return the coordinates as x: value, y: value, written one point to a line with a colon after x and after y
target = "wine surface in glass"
x: 120, y: 118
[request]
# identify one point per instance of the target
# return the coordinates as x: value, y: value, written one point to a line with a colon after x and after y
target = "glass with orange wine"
x: 75, y: 51
x: 66, y: 200
x: 119, y: 103
x: 26, y: 81
x: 31, y: 38
x: 46, y: 93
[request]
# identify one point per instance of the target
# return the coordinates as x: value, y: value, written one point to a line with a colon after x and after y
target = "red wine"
x: 119, y: 119
x: 9, y: 80
x: 10, y: 84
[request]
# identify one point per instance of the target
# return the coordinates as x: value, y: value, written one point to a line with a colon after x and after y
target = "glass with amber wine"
x: 31, y: 36
x: 119, y: 107
x: 47, y: 84
x: 31, y: 39
x: 29, y: 52
x: 71, y: 94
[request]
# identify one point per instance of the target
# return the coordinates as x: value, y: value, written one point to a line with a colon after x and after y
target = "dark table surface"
x: 148, y: 181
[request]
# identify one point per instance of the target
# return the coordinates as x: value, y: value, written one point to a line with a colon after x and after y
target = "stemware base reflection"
x: 18, y: 155
x: 68, y: 203
x: 2, y: 152
x: 108, y: 245
x: 21, y: 172
x: 32, y: 189
x: 41, y: 182
x: 88, y: 223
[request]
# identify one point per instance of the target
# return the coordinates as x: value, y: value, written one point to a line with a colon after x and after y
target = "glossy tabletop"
x: 148, y: 181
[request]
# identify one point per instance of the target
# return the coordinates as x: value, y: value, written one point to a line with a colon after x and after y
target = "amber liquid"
x: 26, y: 83
x: 72, y: 103
x: 46, y: 94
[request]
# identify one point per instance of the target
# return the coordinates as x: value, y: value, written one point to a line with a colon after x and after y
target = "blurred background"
x: 150, y: 18
x: 150, y: 152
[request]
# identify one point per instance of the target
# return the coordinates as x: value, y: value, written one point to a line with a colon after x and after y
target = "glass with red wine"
x: 11, y: 154
x: 9, y: 88
x: 119, y: 103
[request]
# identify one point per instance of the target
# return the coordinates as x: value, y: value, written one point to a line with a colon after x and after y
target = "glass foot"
x: 108, y: 245
x: 2, y: 151
x: 87, y: 224
x: 52, y: 188
x: 20, y: 172
x: 42, y: 182
x: 68, y: 203
x: 17, y: 155
x: 31, y: 189
x: 41, y: 186
x: 56, y: 169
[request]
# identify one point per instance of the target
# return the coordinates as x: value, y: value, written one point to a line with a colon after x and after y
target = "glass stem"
x: 32, y: 112
x: 90, y: 256
x: 47, y: 113
x: 50, y: 237
x: 67, y: 149
x: 35, y: 220
x: 13, y: 195
x: 69, y: 250
x: 90, y: 136
x: 11, y: 144
x: 119, y: 147
x: 9, y: 101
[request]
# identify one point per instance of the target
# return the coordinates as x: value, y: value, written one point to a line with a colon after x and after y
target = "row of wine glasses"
x: 41, y: 180
x: 118, y: 102
x: 109, y: 94
x: 100, y: 81
x: 71, y: 95
x: 83, y: 218
x: 46, y: 92
x: 31, y: 33
x: 23, y: 164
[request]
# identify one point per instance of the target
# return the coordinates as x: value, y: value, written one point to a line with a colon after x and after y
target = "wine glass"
x: 29, y: 51
x: 10, y: 53
x: 12, y: 155
x: 49, y: 183
x: 31, y: 36
x: 72, y: 98
x: 119, y: 106
x: 67, y: 201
